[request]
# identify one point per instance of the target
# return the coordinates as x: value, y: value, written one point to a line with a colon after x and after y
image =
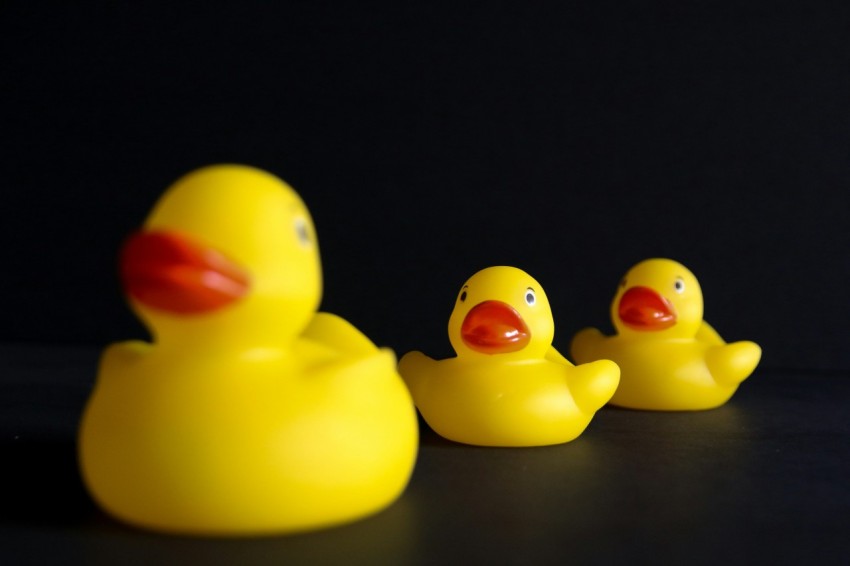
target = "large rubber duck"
x: 671, y: 359
x: 507, y: 386
x: 249, y: 413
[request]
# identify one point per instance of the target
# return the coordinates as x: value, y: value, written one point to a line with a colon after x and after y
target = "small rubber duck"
x: 671, y: 359
x: 507, y: 386
x: 250, y: 413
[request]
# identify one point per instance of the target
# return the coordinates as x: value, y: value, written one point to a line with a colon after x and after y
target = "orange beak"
x: 168, y: 271
x: 641, y: 308
x: 494, y: 327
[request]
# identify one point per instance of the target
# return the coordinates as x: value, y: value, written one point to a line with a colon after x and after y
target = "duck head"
x: 501, y: 311
x: 658, y: 297
x: 227, y: 255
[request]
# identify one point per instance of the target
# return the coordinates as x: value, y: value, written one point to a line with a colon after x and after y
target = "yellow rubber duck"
x: 249, y: 413
x: 671, y: 359
x: 507, y: 386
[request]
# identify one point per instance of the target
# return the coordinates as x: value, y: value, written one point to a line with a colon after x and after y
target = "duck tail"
x: 731, y: 364
x: 594, y: 384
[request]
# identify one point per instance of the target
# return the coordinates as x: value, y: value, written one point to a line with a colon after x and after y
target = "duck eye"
x: 679, y: 285
x: 302, y: 231
x: 530, y: 297
x: 623, y: 283
x: 462, y: 296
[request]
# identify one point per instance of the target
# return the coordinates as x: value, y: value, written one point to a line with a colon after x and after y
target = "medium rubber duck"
x: 671, y: 359
x: 250, y: 413
x: 507, y: 386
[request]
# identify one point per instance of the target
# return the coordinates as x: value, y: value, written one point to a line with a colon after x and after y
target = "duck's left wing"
x: 338, y: 334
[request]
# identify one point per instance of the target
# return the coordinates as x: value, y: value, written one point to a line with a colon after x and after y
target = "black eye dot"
x: 462, y: 296
x: 679, y: 285
x: 302, y: 231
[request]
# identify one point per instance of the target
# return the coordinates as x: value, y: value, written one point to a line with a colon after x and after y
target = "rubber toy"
x: 671, y: 359
x: 249, y: 413
x: 507, y: 386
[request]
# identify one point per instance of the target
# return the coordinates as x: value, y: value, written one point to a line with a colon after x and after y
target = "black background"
x: 431, y: 140
x: 571, y: 139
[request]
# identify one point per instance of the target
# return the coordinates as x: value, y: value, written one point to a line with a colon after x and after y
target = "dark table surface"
x: 764, y: 478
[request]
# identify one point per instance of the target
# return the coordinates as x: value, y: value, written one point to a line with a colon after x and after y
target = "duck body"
x: 196, y: 454
x: 249, y: 413
x: 507, y: 386
x: 496, y: 403
x: 670, y: 358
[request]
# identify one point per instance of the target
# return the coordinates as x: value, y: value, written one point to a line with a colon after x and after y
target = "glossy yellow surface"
x: 526, y: 397
x: 683, y: 366
x: 259, y: 417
